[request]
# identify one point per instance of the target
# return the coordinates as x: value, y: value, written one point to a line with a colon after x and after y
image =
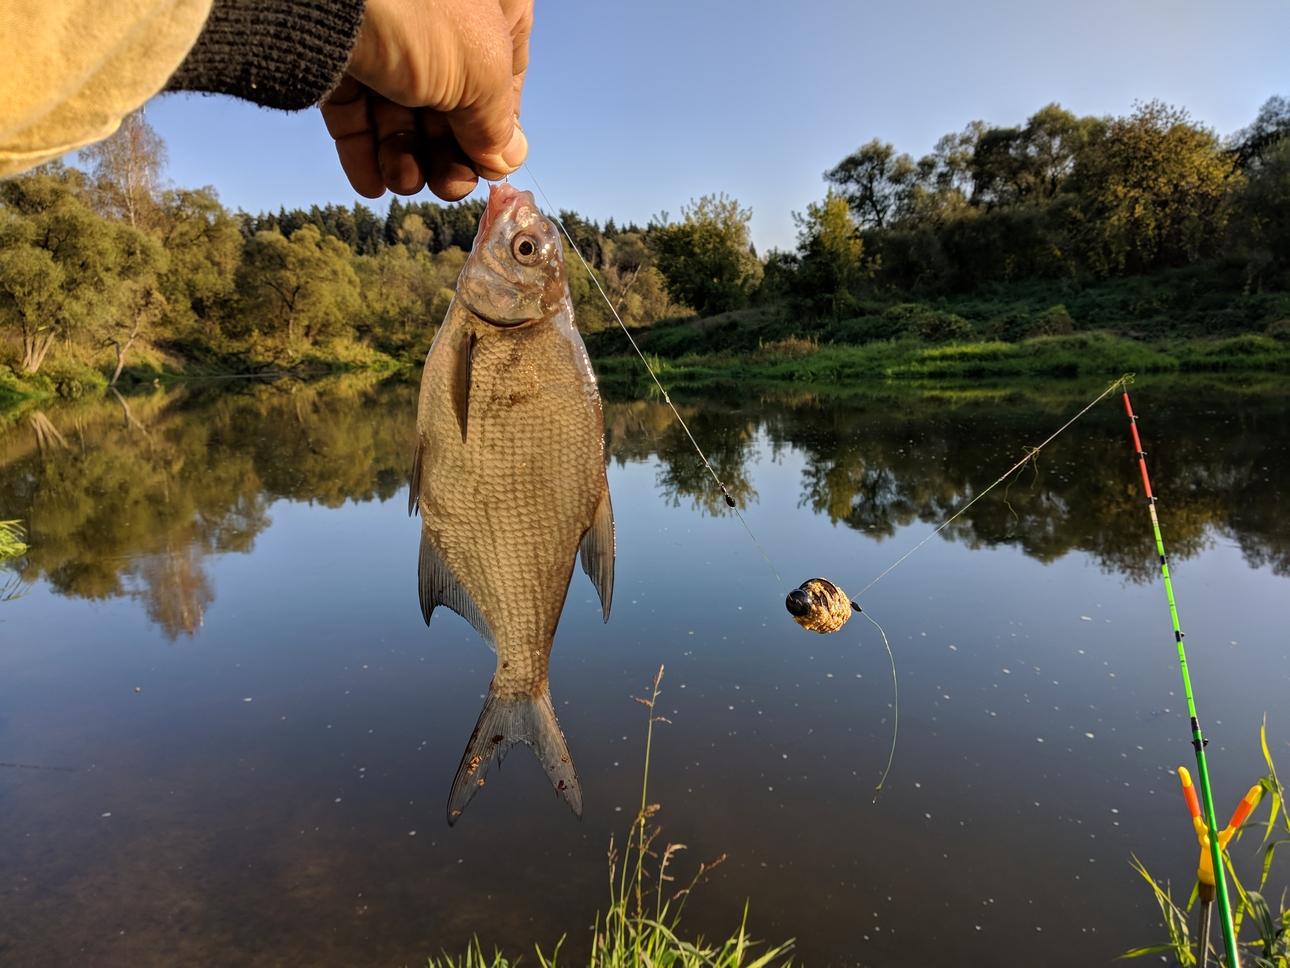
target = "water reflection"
x: 128, y: 498
x: 1039, y: 720
x: 880, y: 465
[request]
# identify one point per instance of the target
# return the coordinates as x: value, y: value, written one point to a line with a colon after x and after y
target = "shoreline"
x: 797, y: 365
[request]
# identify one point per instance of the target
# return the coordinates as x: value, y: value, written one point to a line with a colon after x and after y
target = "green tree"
x: 707, y: 257
x: 136, y: 304
x: 405, y: 295
x: 58, y: 261
x: 829, y: 251
x: 1270, y: 126
x: 204, y: 245
x: 1153, y: 190
x: 303, y: 287
x: 1263, y: 212
x: 876, y: 182
x: 414, y: 232
x: 1028, y: 164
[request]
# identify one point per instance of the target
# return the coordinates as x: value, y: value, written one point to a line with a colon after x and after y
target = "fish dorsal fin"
x: 439, y: 586
x: 461, y: 373
x: 597, y: 551
x: 414, y: 483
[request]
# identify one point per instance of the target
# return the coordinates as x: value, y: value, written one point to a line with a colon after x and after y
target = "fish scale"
x: 506, y: 505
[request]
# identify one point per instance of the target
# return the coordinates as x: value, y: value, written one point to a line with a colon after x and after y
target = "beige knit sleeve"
x: 72, y: 69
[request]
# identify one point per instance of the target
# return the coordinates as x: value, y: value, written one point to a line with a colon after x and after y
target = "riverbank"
x: 169, y: 363
x: 811, y: 363
x: 821, y: 366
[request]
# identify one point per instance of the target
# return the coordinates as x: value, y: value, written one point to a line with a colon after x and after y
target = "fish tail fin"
x: 505, y: 721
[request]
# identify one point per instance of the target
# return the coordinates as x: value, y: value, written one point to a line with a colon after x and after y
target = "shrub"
x: 941, y: 327
x: 1279, y: 330
x: 1054, y: 321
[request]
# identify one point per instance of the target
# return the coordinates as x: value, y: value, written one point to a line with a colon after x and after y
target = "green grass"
x: 641, y: 926
x: 11, y: 540
x: 1270, y: 945
x: 838, y: 367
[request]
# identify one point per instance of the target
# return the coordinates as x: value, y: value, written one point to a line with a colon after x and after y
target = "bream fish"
x: 509, y: 478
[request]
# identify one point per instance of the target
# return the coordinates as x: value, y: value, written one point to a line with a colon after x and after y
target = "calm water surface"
x: 226, y: 736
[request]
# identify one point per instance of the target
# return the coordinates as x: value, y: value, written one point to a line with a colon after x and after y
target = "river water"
x: 227, y: 737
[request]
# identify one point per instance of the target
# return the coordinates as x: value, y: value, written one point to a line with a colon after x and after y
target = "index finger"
x: 345, y: 112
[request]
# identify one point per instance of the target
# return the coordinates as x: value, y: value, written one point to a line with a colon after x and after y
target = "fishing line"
x: 1031, y: 454
x: 895, y: 723
x: 730, y: 501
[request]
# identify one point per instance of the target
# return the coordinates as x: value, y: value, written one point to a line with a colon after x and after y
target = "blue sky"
x: 633, y: 109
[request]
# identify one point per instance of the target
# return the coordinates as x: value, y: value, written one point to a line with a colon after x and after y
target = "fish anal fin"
x: 437, y: 585
x: 461, y: 375
x: 504, y: 722
x: 597, y: 552
x: 414, y: 482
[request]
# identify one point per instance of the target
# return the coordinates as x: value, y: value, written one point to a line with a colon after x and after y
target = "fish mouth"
x: 502, y: 196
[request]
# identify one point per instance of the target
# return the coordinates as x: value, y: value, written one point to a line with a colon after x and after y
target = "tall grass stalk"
x: 642, y: 926
x: 1271, y: 947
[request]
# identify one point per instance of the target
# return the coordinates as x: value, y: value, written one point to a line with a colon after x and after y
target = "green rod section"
x: 1197, y: 740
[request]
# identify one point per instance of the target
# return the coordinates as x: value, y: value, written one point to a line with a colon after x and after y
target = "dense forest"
x: 108, y: 272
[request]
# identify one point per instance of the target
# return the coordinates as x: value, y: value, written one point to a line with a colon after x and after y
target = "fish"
x: 509, y: 479
x: 818, y: 605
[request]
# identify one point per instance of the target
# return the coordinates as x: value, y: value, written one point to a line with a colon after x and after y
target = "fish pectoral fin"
x: 437, y: 585
x: 597, y: 552
x: 503, y: 722
x: 414, y: 482
x: 461, y: 374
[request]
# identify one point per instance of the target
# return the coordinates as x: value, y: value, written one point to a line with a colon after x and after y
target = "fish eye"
x: 525, y: 249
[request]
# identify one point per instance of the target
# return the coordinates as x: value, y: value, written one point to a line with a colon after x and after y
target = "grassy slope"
x: 1196, y: 319
x: 836, y: 366
x: 1186, y: 320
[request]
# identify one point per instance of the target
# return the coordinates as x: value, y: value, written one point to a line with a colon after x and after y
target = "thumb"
x: 489, y: 132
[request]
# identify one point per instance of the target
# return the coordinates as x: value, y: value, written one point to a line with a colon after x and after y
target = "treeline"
x: 1060, y: 197
x: 97, y: 264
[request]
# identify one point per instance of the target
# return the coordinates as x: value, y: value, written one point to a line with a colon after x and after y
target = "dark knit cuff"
x: 279, y: 53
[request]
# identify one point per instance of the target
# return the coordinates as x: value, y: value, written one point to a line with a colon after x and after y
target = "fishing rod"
x: 1198, y: 740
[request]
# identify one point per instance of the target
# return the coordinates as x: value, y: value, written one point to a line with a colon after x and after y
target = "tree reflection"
x: 129, y: 498
x: 878, y: 465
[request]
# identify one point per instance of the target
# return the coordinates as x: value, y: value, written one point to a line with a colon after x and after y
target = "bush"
x: 788, y: 348
x: 932, y: 325
x: 70, y: 379
x: 1054, y: 321
x: 868, y: 329
x: 1011, y: 326
x: 1279, y: 330
x: 940, y: 327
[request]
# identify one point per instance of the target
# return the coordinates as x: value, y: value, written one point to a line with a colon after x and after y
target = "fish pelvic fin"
x: 504, y: 722
x: 597, y: 552
x: 437, y: 585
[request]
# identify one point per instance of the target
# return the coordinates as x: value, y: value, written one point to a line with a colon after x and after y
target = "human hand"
x: 432, y: 96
